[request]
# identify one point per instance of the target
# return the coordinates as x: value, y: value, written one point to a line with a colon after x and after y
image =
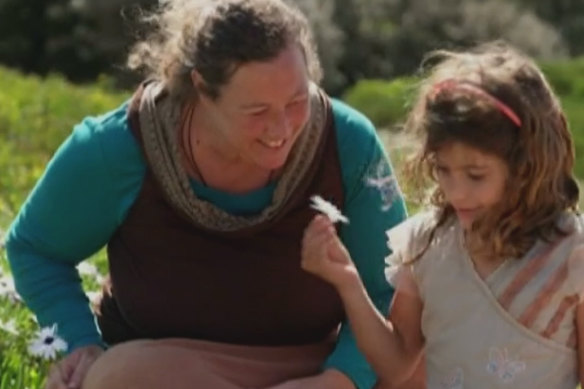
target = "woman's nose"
x: 280, y: 126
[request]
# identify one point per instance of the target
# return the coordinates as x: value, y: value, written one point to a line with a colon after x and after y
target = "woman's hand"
x: 69, y: 372
x: 329, y: 379
x: 324, y: 255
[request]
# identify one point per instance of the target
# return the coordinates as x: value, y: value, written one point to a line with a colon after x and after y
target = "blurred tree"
x: 368, y: 26
x: 566, y: 15
x: 116, y: 26
x: 356, y: 38
x: 40, y: 36
x: 329, y: 39
x: 392, y: 36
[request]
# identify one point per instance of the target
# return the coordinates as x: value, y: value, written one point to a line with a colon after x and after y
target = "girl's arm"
x: 393, y: 347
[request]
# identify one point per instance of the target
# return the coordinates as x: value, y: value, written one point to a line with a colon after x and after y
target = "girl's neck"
x: 484, y: 263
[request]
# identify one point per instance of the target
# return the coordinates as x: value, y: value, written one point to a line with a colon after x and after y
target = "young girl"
x: 490, y: 283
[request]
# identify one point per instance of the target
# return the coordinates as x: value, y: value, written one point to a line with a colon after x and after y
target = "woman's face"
x: 472, y: 181
x: 261, y: 111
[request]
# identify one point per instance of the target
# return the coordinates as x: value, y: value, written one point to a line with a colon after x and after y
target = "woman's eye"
x: 257, y: 113
x: 476, y: 177
x: 296, y: 103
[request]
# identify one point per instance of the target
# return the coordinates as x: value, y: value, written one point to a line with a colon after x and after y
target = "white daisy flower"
x: 89, y: 269
x: 328, y: 209
x: 47, y: 344
x: 94, y: 297
x: 8, y: 290
x: 9, y: 327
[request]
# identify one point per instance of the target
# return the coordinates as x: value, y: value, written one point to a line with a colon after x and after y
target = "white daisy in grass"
x: 47, y: 344
x: 328, y: 209
x: 89, y: 269
x: 8, y: 290
x: 94, y: 297
x: 9, y: 327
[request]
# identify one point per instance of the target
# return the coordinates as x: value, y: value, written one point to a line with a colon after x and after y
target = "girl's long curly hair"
x: 539, y: 152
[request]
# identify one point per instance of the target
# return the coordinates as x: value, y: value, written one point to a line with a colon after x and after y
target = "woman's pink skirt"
x: 195, y: 364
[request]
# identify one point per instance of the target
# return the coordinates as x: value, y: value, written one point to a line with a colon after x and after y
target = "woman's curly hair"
x: 214, y: 37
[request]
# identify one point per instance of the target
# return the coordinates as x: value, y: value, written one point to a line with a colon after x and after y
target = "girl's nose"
x: 456, y: 192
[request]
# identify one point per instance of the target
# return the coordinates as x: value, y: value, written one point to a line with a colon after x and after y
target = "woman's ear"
x: 198, y: 82
x: 196, y: 77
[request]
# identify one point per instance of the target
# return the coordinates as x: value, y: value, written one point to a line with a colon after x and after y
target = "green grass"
x: 18, y: 369
x: 35, y: 117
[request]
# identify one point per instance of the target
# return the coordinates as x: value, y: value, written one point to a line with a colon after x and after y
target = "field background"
x: 38, y: 113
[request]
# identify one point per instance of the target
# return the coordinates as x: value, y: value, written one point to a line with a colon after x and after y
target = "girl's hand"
x: 324, y: 255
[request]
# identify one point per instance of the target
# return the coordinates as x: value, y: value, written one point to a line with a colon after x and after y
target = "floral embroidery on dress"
x: 501, y: 366
x: 454, y: 380
x: 382, y: 179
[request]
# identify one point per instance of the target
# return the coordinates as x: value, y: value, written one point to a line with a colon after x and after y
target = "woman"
x: 200, y: 187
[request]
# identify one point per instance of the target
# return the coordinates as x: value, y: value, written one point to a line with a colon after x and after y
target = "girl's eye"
x: 441, y: 170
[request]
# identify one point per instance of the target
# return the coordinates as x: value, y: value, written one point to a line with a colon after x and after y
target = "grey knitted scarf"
x: 159, y: 121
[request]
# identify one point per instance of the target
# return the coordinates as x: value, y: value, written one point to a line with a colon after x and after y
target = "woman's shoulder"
x: 351, y: 124
x: 360, y: 150
x: 110, y: 133
x: 111, y: 127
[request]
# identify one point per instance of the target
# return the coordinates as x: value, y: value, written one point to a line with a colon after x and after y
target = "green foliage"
x: 385, y: 103
x: 19, y: 369
x: 573, y: 107
x: 35, y: 117
x: 567, y: 77
x: 357, y: 39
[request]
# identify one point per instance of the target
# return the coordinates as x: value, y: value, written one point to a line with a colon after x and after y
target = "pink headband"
x: 470, y: 87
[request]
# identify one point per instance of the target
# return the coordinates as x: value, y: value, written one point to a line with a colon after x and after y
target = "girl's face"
x: 262, y: 110
x: 472, y: 181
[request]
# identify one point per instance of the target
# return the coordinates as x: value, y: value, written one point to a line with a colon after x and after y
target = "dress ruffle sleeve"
x: 575, y: 277
x: 406, y: 241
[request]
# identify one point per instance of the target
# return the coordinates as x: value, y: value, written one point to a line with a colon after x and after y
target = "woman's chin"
x: 272, y: 160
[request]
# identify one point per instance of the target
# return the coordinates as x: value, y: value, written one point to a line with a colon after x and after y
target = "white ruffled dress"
x: 514, y: 329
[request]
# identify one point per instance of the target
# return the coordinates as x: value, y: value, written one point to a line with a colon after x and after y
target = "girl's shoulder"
x: 413, y: 234
x: 571, y: 248
x: 413, y: 241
